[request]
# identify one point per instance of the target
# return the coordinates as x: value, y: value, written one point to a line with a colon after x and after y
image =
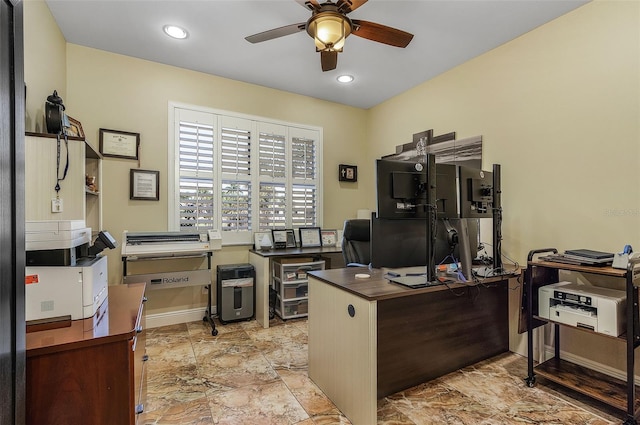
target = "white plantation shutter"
x: 304, y: 173
x: 196, y: 206
x: 303, y: 210
x: 235, y: 143
x: 236, y: 205
x: 272, y: 155
x: 236, y: 151
x: 273, y: 206
x: 303, y: 159
x: 242, y: 174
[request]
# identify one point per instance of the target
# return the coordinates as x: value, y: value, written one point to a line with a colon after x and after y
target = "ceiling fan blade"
x: 310, y: 4
x: 348, y: 6
x: 329, y: 60
x: 381, y: 33
x: 276, y: 32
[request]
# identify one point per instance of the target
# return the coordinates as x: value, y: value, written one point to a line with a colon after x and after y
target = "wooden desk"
x: 261, y: 261
x: 369, y: 338
x: 91, y: 372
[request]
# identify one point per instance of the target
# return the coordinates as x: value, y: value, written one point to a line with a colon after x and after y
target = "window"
x: 242, y: 174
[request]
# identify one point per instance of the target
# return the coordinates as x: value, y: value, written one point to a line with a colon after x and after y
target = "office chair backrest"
x: 356, y: 242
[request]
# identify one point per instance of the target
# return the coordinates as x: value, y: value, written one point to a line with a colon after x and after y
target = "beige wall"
x: 45, y: 56
x: 559, y: 109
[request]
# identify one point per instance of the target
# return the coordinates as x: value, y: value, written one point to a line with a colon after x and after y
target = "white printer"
x: 65, y: 277
x: 591, y: 307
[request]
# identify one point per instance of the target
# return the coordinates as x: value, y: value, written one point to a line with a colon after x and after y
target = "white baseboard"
x: 581, y: 361
x: 176, y: 317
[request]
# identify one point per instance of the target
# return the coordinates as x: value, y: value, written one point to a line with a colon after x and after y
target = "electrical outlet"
x: 56, y: 205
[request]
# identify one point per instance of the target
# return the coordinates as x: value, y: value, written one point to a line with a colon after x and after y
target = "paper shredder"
x: 236, y: 292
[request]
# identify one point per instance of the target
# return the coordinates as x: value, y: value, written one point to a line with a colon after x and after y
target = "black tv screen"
x: 402, y: 243
x: 402, y: 190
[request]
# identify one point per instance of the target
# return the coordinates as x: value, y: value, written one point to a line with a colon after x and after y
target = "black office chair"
x: 356, y: 242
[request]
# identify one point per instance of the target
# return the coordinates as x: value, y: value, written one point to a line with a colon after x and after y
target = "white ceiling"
x: 446, y: 34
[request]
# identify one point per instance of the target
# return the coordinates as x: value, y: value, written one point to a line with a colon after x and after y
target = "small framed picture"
x: 329, y: 237
x: 262, y: 241
x: 310, y: 237
x: 119, y: 144
x: 144, y: 185
x: 74, y: 129
x: 347, y: 173
x: 279, y: 238
x: 291, y: 239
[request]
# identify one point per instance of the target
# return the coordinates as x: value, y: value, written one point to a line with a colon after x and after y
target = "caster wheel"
x: 531, y: 382
x: 214, y: 332
x: 204, y: 319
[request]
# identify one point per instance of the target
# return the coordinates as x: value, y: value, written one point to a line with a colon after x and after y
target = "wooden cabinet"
x: 93, y: 371
x: 615, y: 392
x: 291, y: 284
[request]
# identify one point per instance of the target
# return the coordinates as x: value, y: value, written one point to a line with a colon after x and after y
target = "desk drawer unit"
x: 290, y: 282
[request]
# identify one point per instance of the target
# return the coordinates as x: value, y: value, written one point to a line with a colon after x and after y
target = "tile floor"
x: 248, y: 375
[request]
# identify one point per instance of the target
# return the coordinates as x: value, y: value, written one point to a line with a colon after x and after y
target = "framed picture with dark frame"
x: 347, y: 173
x: 144, y: 185
x: 283, y: 238
x: 74, y: 129
x: 291, y: 239
x: 310, y: 237
x: 119, y: 144
x: 279, y: 238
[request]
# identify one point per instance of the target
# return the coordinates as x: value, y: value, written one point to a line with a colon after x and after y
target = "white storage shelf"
x: 42, y: 171
x: 290, y: 281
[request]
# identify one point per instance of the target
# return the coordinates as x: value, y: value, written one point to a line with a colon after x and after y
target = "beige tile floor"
x: 253, y: 376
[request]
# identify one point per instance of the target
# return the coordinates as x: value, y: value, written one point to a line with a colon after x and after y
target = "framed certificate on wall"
x: 144, y: 185
x: 119, y: 144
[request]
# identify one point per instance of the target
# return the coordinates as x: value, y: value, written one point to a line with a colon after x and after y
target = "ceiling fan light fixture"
x: 329, y: 30
x: 175, y: 31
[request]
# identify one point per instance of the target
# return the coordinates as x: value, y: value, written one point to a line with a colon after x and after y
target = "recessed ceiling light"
x: 345, y: 78
x: 175, y: 32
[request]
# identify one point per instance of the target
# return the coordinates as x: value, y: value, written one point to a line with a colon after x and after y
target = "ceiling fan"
x: 329, y: 26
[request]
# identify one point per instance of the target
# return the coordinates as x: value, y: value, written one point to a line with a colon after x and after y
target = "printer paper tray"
x: 553, y: 322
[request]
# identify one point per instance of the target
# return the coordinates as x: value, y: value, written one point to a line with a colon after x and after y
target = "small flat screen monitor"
x: 402, y: 189
x: 476, y: 193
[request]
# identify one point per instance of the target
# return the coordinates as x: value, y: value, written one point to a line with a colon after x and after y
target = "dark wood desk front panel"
x: 428, y: 332
x: 431, y: 334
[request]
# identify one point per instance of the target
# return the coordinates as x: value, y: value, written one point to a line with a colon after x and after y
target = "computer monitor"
x: 402, y: 243
x: 402, y: 190
x: 476, y: 193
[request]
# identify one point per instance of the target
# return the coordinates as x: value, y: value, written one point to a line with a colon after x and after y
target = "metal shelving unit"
x: 607, y: 389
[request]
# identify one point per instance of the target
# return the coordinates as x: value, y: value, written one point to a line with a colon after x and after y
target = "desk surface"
x: 117, y: 321
x: 298, y: 251
x: 377, y: 287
